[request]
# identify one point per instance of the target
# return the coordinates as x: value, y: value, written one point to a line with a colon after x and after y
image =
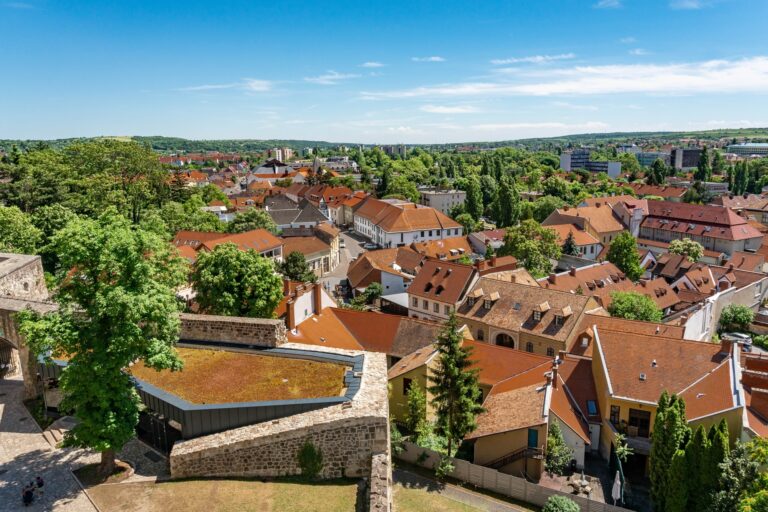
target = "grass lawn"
x: 227, y: 496
x: 220, y: 376
x: 420, y: 500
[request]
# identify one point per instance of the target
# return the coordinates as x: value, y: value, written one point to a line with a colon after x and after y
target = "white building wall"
x: 575, y: 442
x: 393, y: 283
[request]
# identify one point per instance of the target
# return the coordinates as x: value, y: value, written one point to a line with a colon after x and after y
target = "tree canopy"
x: 623, y: 253
x: 634, y: 306
x: 232, y: 282
x: 692, y: 249
x: 533, y: 245
x: 117, y: 305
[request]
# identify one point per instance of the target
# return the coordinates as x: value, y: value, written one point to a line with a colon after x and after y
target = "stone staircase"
x: 54, y: 434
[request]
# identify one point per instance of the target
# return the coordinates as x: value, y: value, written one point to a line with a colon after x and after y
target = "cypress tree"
x: 676, y: 499
x: 669, y: 435
x: 507, y: 209
x: 474, y: 201
x: 718, y: 451
x: 696, y: 457
x: 455, y: 391
x: 704, y: 169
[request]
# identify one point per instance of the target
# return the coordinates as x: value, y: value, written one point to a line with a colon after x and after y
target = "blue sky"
x: 380, y: 71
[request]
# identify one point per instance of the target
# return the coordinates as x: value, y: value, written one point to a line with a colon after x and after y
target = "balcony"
x: 640, y: 444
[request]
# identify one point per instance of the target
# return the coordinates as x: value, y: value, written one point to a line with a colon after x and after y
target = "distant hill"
x: 175, y: 144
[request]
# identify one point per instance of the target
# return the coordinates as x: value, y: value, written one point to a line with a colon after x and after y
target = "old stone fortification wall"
x: 348, y: 435
x: 380, y: 488
x: 246, y: 331
x: 22, y: 277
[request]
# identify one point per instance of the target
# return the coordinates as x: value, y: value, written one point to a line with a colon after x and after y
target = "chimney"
x: 493, y: 260
x: 554, y: 375
x: 549, y: 378
x: 290, y: 315
x: 317, y: 298
x: 561, y: 355
x: 572, y: 270
x: 726, y: 346
x: 552, y: 278
x: 598, y: 204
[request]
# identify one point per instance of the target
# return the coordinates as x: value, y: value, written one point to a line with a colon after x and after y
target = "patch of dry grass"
x: 220, y: 376
x: 226, y: 496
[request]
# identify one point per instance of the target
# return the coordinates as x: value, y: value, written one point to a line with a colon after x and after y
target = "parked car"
x: 342, y: 243
x: 370, y: 246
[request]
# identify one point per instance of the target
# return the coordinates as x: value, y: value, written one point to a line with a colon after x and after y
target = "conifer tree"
x: 704, y: 169
x: 669, y: 433
x: 569, y: 246
x: 696, y: 456
x: 455, y: 390
x: 676, y: 499
x: 474, y: 200
x: 507, y: 209
x: 416, y: 414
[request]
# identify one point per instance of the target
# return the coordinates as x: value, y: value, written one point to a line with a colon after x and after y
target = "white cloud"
x: 607, y: 4
x: 688, y: 4
x: 434, y: 58
x: 446, y: 109
x: 330, y: 78
x: 627, y: 40
x: 639, y: 51
x: 716, y: 76
x: 534, y: 59
x: 371, y: 64
x: 572, y: 106
x: 247, y: 84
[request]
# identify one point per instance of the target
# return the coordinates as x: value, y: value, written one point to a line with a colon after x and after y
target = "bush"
x: 559, y: 503
x: 443, y: 468
x: 736, y: 317
x: 310, y: 460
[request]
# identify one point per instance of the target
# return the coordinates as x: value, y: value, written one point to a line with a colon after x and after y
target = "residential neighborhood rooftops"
x: 306, y: 245
x: 580, y: 237
x: 403, y: 216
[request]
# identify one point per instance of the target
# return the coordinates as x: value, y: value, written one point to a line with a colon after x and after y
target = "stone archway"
x: 505, y: 340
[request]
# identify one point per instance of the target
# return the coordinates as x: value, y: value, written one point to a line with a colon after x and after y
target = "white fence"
x: 501, y: 483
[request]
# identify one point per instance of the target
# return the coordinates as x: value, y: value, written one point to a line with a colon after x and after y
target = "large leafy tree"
x: 559, y: 454
x: 232, y: 282
x: 691, y: 249
x: 533, y: 245
x: 743, y: 483
x: 126, y: 175
x: 34, y: 179
x: 250, y: 219
x: 187, y: 216
x: 295, y: 268
x: 50, y: 219
x: 117, y: 305
x: 736, y: 317
x: 634, y: 306
x: 17, y: 233
x: 657, y: 173
x: 454, y: 386
x: 623, y: 253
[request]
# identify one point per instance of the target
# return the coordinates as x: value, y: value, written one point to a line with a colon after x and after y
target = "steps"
x: 54, y: 434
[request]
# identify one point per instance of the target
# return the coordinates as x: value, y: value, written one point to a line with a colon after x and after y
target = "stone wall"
x: 380, y: 487
x: 348, y: 435
x: 260, y: 332
x: 21, y: 277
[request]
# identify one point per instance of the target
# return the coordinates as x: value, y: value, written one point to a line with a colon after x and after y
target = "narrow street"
x: 354, y: 246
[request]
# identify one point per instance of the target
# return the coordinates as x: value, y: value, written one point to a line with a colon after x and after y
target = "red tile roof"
x: 442, y: 281
x: 259, y: 240
x: 698, y: 220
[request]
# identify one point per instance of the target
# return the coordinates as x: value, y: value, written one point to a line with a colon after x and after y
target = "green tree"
x: 507, y: 208
x: 232, y: 282
x: 690, y: 248
x: 470, y: 225
x: 474, y: 201
x: 623, y: 253
x: 454, y: 386
x: 559, y: 454
x: 50, y: 219
x: 558, y: 503
x: 736, y: 317
x: 718, y: 164
x: 416, y: 413
x: 117, y: 305
x: 17, y: 233
x: 677, y: 492
x: 696, y: 455
x: 704, y: 169
x: 250, y: 219
x: 533, y: 245
x: 188, y: 216
x: 670, y: 430
x: 741, y: 476
x: 634, y: 306
x: 295, y: 268
x: 657, y: 173
x: 569, y: 246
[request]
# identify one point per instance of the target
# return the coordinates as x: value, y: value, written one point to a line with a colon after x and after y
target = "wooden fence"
x: 501, y: 483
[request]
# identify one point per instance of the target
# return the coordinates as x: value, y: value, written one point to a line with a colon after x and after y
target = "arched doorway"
x: 505, y: 340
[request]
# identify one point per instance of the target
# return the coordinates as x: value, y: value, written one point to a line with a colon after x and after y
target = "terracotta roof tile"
x: 260, y: 240
x: 442, y: 281
x: 306, y: 245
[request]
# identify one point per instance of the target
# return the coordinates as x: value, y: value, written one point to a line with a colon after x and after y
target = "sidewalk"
x: 465, y: 496
x: 24, y: 454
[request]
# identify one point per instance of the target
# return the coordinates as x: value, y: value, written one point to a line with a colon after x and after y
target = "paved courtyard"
x: 24, y: 454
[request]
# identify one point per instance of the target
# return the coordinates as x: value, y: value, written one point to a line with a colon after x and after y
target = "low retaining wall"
x: 380, y: 487
x: 259, y: 332
x: 502, y: 483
